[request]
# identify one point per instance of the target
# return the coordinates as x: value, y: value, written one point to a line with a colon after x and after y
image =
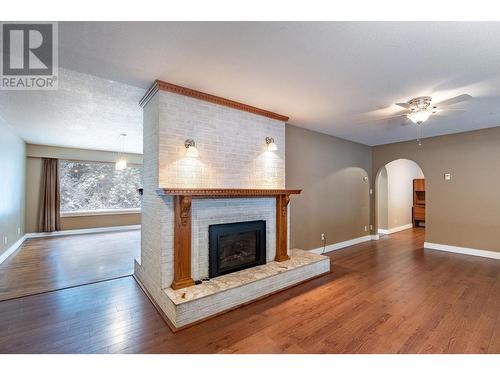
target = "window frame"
x: 104, y: 211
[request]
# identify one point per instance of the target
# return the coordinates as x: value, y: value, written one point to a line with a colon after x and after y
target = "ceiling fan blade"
x: 404, y: 105
x: 395, y: 116
x: 444, y: 111
x: 454, y: 100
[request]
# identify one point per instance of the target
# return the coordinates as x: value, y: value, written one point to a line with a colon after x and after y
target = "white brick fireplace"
x: 232, y: 155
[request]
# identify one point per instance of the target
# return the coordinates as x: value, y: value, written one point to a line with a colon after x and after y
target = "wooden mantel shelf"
x: 182, y: 223
x: 227, y: 193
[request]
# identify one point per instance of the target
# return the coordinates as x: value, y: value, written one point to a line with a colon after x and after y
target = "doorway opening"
x: 400, y: 199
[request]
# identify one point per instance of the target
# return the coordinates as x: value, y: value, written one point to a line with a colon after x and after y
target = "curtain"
x: 49, y: 211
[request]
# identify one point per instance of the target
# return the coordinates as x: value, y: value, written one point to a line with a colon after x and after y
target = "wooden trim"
x: 170, y: 87
x: 182, y: 242
x: 282, y: 227
x: 227, y: 193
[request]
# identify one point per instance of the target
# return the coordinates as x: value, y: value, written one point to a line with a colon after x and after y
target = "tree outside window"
x: 89, y: 186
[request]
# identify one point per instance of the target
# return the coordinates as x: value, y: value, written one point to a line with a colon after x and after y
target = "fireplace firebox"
x: 236, y: 246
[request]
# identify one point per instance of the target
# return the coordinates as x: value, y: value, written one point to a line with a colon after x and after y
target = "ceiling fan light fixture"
x: 419, y: 116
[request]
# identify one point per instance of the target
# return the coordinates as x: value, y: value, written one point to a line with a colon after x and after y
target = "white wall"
x: 12, y: 186
x: 400, y: 176
x: 230, y: 142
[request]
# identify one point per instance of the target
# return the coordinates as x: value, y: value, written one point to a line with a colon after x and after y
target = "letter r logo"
x: 27, y: 49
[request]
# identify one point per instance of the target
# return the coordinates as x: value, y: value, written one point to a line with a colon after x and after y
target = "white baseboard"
x: 394, y: 230
x: 83, y: 231
x: 375, y: 237
x: 12, y: 249
x: 341, y: 245
x: 462, y: 250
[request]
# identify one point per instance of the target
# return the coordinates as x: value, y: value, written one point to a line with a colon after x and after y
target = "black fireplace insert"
x: 236, y: 246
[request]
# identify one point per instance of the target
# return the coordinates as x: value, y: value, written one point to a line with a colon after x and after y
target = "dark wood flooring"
x: 386, y: 296
x: 47, y: 264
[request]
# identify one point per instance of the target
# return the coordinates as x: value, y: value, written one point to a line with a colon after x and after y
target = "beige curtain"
x: 50, y: 200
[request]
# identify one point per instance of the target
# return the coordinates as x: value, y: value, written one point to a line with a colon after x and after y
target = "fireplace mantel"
x: 227, y: 193
x: 182, y: 222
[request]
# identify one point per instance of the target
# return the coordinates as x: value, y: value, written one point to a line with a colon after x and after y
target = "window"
x: 90, y: 187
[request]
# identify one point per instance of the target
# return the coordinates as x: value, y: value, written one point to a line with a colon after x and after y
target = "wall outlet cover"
x: 447, y: 176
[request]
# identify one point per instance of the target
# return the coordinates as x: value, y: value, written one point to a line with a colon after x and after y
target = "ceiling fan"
x: 418, y: 110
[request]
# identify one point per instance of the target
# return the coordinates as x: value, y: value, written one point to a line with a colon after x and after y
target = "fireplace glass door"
x: 236, y: 246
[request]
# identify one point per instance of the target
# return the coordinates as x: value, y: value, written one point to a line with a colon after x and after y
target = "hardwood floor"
x: 386, y: 296
x: 46, y: 264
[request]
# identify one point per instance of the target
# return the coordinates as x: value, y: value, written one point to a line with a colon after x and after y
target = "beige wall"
x: 335, y: 198
x: 12, y: 186
x: 397, y: 194
x: 382, y: 199
x: 81, y: 222
x: 35, y: 153
x: 464, y: 211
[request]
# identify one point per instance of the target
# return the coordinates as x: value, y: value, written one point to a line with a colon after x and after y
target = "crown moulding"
x: 159, y: 85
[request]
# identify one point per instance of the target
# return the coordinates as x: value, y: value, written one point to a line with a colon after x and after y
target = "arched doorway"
x: 399, y: 197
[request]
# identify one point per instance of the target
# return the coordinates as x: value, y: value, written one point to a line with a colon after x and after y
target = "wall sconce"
x: 191, y: 150
x: 271, y: 146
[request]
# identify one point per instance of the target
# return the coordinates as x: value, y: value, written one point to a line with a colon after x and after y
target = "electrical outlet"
x: 18, y: 231
x: 371, y: 227
x: 371, y: 191
x: 366, y: 228
x: 447, y: 176
x: 5, y: 240
x: 322, y: 236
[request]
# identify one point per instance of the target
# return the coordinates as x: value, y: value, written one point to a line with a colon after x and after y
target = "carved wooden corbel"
x: 185, y: 209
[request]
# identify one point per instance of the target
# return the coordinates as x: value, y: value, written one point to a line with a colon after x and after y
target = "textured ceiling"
x: 85, y: 112
x: 333, y: 77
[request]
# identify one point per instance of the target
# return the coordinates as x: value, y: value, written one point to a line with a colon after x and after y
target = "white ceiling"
x: 85, y: 112
x: 327, y: 76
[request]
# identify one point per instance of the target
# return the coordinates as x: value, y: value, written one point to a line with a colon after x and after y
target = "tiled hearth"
x: 227, y: 291
x: 233, y: 159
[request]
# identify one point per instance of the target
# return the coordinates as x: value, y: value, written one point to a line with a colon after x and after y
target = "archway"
x: 399, y: 197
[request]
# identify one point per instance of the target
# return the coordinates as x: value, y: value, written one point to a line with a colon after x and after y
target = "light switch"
x: 447, y: 176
